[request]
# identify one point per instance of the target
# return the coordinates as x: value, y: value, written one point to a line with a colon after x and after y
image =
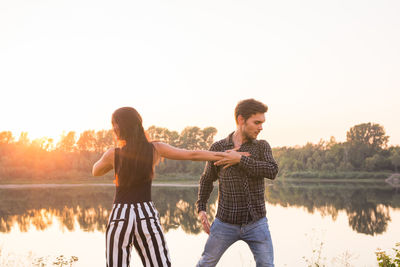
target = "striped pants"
x: 135, y: 224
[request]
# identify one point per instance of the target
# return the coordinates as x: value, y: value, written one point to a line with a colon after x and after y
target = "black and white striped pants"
x: 135, y: 224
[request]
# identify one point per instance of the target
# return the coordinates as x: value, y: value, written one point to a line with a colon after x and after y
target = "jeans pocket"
x: 215, y: 225
x: 262, y: 233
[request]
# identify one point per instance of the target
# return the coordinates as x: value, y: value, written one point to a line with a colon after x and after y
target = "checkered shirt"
x: 241, y: 187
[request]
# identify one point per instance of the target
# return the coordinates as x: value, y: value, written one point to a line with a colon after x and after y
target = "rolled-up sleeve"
x: 266, y: 167
x: 206, y: 183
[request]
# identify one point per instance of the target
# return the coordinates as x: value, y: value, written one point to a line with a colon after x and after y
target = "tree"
x: 331, y: 143
x: 87, y: 141
x: 195, y: 138
x: 43, y: 143
x: 335, y: 154
x: 364, y: 140
x: 191, y: 138
x: 67, y: 142
x: 369, y: 134
x: 6, y: 137
x: 374, y: 163
x: 395, y: 158
x: 23, y: 139
x: 208, y: 135
x: 104, y: 140
x: 163, y: 135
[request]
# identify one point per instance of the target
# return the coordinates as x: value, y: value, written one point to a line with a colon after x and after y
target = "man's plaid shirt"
x: 241, y: 186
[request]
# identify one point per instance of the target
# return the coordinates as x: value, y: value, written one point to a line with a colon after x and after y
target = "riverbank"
x: 337, y: 175
x: 191, y: 179
x: 15, y: 186
x: 92, y: 181
x: 176, y: 183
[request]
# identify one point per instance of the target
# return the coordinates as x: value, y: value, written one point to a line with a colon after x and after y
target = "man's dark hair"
x: 249, y: 107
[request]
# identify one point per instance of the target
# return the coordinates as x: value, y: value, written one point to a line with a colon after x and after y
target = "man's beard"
x: 247, y: 137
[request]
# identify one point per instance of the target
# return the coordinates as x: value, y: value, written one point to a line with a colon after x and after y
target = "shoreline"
x: 16, y: 186
x: 188, y: 184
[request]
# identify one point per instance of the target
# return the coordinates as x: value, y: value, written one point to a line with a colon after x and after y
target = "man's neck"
x: 238, y: 138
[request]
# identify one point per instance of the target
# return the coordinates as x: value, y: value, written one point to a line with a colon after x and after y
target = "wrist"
x: 242, y: 160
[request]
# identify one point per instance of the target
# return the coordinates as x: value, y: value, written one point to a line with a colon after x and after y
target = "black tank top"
x: 139, y: 192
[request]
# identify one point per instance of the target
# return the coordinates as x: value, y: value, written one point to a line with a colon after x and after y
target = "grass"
x: 8, y: 259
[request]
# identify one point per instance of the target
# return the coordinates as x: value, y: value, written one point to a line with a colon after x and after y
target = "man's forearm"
x: 205, y: 190
x: 257, y: 168
x: 206, y: 183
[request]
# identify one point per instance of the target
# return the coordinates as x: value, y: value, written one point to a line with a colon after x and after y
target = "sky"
x: 320, y: 66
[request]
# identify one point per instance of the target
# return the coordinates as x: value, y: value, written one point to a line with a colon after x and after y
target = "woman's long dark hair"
x: 136, y: 157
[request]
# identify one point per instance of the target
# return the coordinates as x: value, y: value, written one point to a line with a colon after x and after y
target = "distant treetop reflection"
x: 88, y: 208
x: 367, y: 206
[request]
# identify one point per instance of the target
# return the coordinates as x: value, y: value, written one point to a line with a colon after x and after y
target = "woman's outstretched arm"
x: 170, y: 152
x: 104, y: 164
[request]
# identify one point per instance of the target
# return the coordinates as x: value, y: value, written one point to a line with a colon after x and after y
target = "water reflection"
x: 367, y: 206
x: 88, y: 207
x: 38, y: 207
x: 367, y: 217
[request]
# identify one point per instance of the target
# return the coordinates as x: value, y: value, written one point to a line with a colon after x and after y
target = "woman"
x: 134, y: 219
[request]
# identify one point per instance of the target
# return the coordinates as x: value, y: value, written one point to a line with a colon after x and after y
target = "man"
x: 241, y: 211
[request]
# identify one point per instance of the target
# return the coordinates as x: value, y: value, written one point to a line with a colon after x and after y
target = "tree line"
x: 365, y: 150
x: 73, y: 156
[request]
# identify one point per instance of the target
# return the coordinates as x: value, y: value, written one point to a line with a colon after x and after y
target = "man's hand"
x: 231, y: 158
x: 204, y: 221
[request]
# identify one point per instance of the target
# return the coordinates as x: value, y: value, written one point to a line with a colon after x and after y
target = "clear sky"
x: 321, y: 66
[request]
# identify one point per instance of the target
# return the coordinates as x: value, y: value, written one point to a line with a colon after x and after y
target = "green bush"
x: 385, y: 260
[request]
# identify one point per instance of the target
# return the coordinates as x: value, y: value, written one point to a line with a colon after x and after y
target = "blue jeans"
x: 222, y: 235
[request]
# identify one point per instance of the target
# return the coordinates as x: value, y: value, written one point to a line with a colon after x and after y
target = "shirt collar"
x: 229, y: 140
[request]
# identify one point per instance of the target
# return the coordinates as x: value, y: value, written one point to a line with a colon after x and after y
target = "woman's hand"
x: 231, y: 158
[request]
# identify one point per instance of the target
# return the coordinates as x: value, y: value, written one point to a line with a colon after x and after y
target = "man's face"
x: 253, y: 126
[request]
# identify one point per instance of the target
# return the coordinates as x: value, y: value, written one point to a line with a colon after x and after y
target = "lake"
x: 330, y: 223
